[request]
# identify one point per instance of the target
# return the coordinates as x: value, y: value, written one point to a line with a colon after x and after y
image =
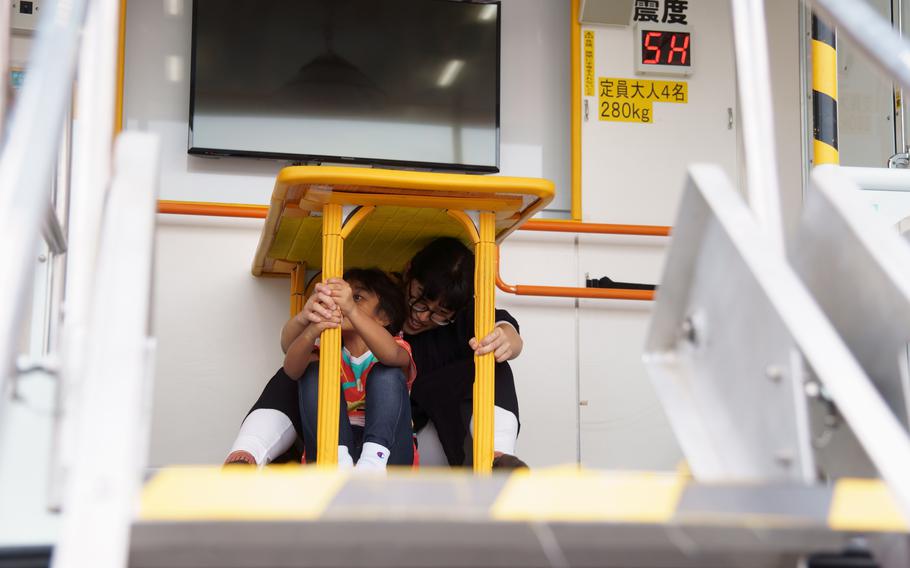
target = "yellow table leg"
x: 298, y: 283
x: 484, y: 320
x: 329, y: 345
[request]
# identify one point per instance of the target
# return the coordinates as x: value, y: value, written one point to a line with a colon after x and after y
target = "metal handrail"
x: 112, y: 413
x: 27, y: 162
x: 875, y: 179
x: 753, y: 79
x: 52, y: 231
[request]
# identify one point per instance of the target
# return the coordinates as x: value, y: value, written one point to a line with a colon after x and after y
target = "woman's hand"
x: 313, y: 332
x: 504, y: 342
x: 320, y: 307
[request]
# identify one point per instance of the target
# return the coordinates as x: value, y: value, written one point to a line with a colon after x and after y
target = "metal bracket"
x: 719, y: 351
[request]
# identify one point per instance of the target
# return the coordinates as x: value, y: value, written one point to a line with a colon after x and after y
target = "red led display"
x: 665, y: 48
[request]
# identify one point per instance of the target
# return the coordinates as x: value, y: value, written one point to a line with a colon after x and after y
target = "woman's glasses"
x: 418, y: 305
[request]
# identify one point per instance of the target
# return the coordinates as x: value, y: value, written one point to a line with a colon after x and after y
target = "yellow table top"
x: 410, y: 212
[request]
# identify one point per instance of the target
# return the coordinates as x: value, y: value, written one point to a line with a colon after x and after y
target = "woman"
x: 438, y: 287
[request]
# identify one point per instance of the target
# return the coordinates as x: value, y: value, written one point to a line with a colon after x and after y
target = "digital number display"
x: 665, y: 48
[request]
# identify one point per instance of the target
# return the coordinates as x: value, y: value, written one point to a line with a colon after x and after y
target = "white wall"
x: 546, y: 374
x: 535, y: 94
x: 217, y: 329
x: 634, y: 173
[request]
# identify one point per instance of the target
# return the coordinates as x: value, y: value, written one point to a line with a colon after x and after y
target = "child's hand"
x: 320, y: 307
x: 342, y: 295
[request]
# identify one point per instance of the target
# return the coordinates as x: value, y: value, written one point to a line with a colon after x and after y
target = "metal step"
x: 304, y: 516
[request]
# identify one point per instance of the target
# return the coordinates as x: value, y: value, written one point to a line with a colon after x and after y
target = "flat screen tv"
x: 409, y: 83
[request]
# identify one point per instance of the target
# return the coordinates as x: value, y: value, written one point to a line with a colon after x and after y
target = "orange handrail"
x: 559, y: 226
x: 260, y: 212
x: 212, y: 209
x: 572, y: 292
x: 547, y: 225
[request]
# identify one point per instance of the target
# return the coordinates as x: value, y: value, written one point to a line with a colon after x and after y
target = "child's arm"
x: 319, y: 307
x: 298, y: 355
x: 379, y: 340
x: 384, y: 347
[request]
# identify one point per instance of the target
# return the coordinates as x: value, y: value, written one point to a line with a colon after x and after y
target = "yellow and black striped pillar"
x: 824, y: 92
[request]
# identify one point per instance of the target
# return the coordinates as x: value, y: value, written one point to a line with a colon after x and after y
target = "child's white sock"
x: 373, y: 457
x: 345, y: 461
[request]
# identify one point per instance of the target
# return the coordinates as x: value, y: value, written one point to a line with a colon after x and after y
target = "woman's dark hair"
x: 445, y: 269
x: 391, y: 303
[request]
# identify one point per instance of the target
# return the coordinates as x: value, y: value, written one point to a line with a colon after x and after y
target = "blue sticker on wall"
x: 17, y: 77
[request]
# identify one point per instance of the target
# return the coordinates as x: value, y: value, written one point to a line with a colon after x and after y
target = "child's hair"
x: 391, y: 302
x: 445, y: 269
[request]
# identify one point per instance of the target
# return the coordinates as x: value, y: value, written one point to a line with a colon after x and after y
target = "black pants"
x: 446, y: 397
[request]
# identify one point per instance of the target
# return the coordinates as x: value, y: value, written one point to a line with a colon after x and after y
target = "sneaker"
x: 508, y: 461
x: 240, y: 458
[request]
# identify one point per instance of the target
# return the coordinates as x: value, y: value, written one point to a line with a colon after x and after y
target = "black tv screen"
x: 412, y: 83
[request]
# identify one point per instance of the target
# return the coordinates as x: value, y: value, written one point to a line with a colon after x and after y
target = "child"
x: 377, y: 369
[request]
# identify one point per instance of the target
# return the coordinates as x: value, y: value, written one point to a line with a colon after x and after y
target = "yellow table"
x: 386, y: 216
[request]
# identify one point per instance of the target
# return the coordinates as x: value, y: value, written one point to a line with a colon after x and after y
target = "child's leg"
x: 387, y: 435
x: 308, y: 392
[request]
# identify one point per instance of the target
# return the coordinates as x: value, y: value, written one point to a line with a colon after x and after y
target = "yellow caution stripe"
x: 575, y: 495
x: 824, y: 153
x: 864, y: 505
x: 824, y: 93
x: 824, y: 68
x: 239, y: 493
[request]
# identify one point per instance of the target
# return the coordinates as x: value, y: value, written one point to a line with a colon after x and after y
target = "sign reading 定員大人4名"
x: 630, y: 100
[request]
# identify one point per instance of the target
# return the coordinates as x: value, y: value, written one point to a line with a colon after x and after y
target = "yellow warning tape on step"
x: 239, y: 493
x: 864, y: 505
x: 571, y: 494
